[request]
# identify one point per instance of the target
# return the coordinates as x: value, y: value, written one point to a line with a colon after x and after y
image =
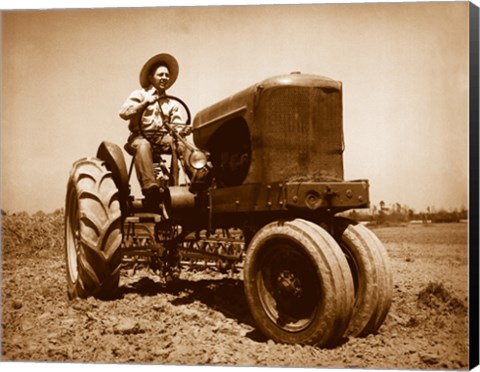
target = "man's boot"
x: 153, y: 198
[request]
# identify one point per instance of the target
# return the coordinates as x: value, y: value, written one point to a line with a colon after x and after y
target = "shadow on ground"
x: 224, y: 295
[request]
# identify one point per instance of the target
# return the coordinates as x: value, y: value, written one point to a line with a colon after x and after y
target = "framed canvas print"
x: 262, y: 185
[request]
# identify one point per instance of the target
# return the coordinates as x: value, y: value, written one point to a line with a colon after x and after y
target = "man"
x: 147, y: 109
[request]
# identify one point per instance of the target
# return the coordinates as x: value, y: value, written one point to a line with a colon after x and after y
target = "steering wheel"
x: 184, y: 112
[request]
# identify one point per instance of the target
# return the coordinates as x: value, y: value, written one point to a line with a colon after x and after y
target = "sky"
x: 403, y: 66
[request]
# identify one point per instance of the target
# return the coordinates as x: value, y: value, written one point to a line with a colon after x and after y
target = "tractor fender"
x: 114, y: 160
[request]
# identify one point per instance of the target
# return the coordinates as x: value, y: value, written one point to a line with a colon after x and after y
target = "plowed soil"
x: 204, y: 318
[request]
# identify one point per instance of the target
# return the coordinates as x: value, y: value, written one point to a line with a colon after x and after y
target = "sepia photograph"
x: 261, y: 185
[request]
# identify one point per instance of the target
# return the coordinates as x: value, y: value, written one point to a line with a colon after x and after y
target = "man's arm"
x: 136, y: 102
x: 132, y: 105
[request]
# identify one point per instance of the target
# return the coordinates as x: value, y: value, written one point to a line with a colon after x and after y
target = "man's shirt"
x: 154, y: 114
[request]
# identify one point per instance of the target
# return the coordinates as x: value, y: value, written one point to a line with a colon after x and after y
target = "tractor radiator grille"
x: 304, y: 136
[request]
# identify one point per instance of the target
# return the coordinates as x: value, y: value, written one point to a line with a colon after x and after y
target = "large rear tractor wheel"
x: 93, y: 231
x: 298, y: 284
x: 372, y: 277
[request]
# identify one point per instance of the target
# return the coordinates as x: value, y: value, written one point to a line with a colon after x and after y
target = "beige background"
x: 404, y: 69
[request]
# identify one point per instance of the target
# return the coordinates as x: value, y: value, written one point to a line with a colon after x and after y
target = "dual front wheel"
x: 306, y: 286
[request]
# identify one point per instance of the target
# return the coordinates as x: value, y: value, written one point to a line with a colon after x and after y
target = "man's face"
x: 160, y: 78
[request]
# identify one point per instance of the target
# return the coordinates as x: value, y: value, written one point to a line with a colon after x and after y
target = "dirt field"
x: 205, y: 319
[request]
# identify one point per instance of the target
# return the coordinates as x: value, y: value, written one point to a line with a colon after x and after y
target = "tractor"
x: 261, y: 188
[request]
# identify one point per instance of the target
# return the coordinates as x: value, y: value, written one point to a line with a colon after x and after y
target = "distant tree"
x: 411, y: 215
x: 398, y: 208
x: 59, y: 211
x: 39, y: 213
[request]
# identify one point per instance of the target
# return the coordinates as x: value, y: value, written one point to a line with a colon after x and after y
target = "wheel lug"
x: 289, y: 283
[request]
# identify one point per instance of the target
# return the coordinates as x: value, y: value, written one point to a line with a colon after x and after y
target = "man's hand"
x: 187, y: 131
x: 151, y: 96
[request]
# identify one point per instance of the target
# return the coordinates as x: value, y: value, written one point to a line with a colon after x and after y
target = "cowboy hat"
x: 154, y: 62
